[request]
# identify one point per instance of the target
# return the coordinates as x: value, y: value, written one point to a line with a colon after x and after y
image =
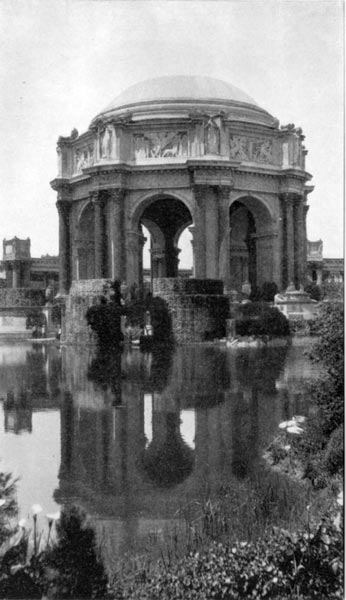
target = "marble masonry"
x: 177, y: 152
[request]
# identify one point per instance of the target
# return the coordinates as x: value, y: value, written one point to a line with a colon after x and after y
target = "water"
x: 136, y: 438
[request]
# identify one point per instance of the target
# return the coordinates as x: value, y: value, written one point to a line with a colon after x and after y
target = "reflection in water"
x: 143, y: 434
x: 29, y: 381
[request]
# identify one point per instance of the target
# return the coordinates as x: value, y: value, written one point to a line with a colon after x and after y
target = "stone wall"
x: 21, y: 297
x: 83, y: 294
x: 198, y: 308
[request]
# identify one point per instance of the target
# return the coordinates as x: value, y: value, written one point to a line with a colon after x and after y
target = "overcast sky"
x: 61, y: 62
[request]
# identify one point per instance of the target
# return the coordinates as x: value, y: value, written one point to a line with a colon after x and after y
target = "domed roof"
x: 180, y: 87
x: 174, y: 96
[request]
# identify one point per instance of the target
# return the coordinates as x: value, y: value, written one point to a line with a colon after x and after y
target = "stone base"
x: 83, y: 294
x: 296, y: 305
x: 197, y: 307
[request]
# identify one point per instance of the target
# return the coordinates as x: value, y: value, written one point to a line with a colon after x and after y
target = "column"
x: 211, y: 234
x: 132, y: 244
x: 279, y: 255
x: 192, y: 231
x: 305, y: 237
x: 199, y: 245
x: 224, y: 236
x: 99, y: 234
x: 158, y: 263
x: 289, y: 199
x: 15, y: 275
x: 300, y: 257
x: 141, y: 241
x: 63, y: 207
x: 116, y: 252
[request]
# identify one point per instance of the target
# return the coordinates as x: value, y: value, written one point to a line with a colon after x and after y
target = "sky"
x: 61, y: 62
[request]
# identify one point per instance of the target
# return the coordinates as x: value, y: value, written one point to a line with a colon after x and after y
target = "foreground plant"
x: 307, y: 564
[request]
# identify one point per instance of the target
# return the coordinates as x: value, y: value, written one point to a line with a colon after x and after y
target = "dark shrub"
x: 160, y: 320
x: 255, y: 295
x: 56, y: 314
x: 314, y: 291
x: 78, y: 571
x: 105, y: 320
x: 268, y: 291
x: 334, y: 456
x: 260, y: 319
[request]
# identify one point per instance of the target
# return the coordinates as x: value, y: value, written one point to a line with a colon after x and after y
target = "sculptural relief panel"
x: 83, y: 158
x: 251, y: 150
x: 161, y: 144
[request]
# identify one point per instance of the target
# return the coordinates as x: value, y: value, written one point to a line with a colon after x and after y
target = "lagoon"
x: 139, y: 440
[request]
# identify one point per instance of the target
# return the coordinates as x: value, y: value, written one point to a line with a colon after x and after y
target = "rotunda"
x: 177, y: 152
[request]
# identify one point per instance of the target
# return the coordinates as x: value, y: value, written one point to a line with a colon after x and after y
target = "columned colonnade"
x: 118, y: 243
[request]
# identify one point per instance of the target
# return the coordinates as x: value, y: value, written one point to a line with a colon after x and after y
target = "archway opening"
x: 252, y: 245
x: 243, y: 255
x: 167, y: 251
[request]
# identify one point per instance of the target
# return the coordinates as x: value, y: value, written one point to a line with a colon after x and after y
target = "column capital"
x: 64, y: 207
x: 291, y: 197
x: 116, y: 193
x: 94, y: 197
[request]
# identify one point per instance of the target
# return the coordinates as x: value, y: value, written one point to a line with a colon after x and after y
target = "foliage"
x: 334, y: 454
x: 35, y: 318
x: 321, y: 448
x: 75, y: 570
x: 56, y: 313
x: 268, y: 291
x: 307, y: 564
x: 9, y: 509
x: 258, y: 318
x: 314, y: 291
x: 68, y: 569
x: 105, y: 320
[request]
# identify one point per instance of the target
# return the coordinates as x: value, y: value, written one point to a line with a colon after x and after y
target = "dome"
x: 182, y: 87
x: 179, y: 94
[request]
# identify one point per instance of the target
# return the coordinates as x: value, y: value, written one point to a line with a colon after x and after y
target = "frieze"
x: 251, y: 150
x: 83, y: 158
x: 161, y: 144
x: 159, y: 179
x: 254, y: 182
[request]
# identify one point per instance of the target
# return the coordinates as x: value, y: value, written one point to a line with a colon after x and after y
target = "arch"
x: 81, y: 208
x: 259, y: 206
x: 165, y: 217
x: 147, y: 198
x: 251, y: 243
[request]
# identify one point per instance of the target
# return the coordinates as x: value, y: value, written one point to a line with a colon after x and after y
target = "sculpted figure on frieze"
x: 106, y: 142
x: 141, y: 146
x: 160, y: 144
x: 263, y: 152
x: 239, y: 147
x: 212, y: 138
x: 84, y: 157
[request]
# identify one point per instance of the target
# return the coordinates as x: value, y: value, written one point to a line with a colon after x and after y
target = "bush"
x: 268, y: 291
x: 260, y: 319
x: 322, y: 446
x: 314, y: 291
x: 283, y: 565
x: 334, y: 456
x: 75, y: 570
x: 105, y: 320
